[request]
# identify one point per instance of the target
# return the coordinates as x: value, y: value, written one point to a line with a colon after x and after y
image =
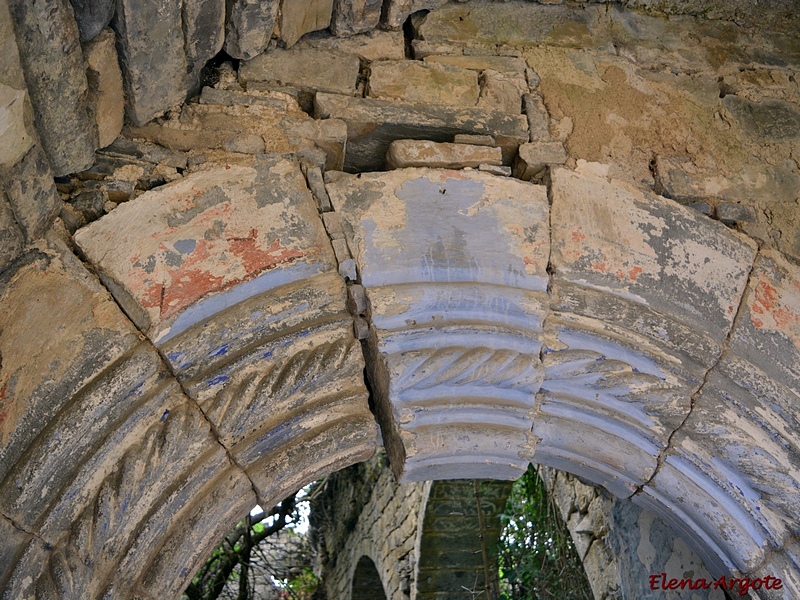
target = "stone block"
x: 350, y: 18
x: 395, y: 12
x: 51, y: 58
x: 15, y: 141
x: 476, y: 140
x: 308, y: 69
x: 501, y: 64
x: 92, y: 16
x: 203, y: 34
x: 413, y: 81
x: 299, y: 18
x: 11, y: 238
x: 160, y: 283
x: 32, y: 194
x: 252, y: 129
x: 447, y: 362
x: 150, y: 92
x: 501, y: 91
x: 145, y: 151
x: 441, y: 155
x: 422, y: 49
x: 371, y: 46
x: 514, y: 23
x: 535, y: 157
x: 373, y: 124
x: 730, y: 213
x: 538, y: 117
x: 105, y: 86
x: 639, y: 319
x: 249, y: 26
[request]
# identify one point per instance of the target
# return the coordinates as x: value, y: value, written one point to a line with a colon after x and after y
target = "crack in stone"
x: 21, y: 529
x: 662, y: 455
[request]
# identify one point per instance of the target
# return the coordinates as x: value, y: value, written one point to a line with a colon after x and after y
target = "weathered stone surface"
x: 248, y: 26
x: 299, y: 18
x: 750, y: 465
x: 535, y: 157
x: 639, y: 321
x: 501, y: 64
x: 150, y: 92
x: 445, y: 357
x: 261, y: 338
x: 538, y: 118
x: 307, y: 69
x: 15, y: 141
x: 373, y: 124
x: 105, y: 86
x: 169, y: 277
x: 251, y: 129
x: 52, y: 61
x: 730, y: 213
x: 374, y: 45
x: 355, y: 16
x: 92, y: 16
x: 502, y: 91
x: 203, y: 34
x: 32, y: 193
x: 422, y: 49
x: 11, y: 238
x: 442, y: 155
x: 395, y: 12
x: 413, y: 81
x: 514, y: 23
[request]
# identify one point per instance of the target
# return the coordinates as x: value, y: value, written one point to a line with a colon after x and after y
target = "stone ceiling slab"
x: 454, y: 266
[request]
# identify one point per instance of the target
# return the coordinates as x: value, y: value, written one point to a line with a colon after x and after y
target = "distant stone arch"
x: 367, y: 581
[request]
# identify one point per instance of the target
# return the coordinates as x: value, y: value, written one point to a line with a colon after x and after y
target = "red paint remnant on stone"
x: 767, y: 302
x: 256, y: 258
x: 634, y: 272
x: 602, y: 267
x: 577, y: 235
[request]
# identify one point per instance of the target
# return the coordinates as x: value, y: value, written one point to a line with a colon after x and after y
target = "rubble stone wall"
x: 566, y: 234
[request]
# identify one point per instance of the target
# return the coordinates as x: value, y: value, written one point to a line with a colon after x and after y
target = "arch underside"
x: 606, y: 332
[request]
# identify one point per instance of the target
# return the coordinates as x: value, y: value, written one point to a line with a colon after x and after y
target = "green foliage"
x: 303, y: 586
x: 536, y: 556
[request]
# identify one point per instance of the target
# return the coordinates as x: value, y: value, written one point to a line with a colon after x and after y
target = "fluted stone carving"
x: 433, y: 248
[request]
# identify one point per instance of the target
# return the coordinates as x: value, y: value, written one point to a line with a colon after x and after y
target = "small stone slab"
x: 300, y: 17
x: 11, y: 238
x: 371, y: 46
x: 502, y: 91
x: 413, y: 81
x: 92, y: 16
x: 454, y: 373
x: 501, y: 64
x: 308, y: 69
x: 535, y: 157
x: 32, y: 193
x: 442, y: 155
x: 373, y: 124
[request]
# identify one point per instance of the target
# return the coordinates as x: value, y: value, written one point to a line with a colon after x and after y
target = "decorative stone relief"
x: 433, y: 248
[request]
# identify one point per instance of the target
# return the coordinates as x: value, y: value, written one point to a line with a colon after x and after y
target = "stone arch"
x: 367, y: 583
x: 630, y: 350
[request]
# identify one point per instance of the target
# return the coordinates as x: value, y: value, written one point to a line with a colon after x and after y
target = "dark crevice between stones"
x: 209, y: 74
x: 662, y: 455
x: 408, y: 31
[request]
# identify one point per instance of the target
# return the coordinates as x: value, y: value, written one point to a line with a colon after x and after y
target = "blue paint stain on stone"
x: 220, y: 352
x: 165, y: 415
x: 218, y: 380
x: 185, y: 246
x: 267, y: 354
x: 173, y: 356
